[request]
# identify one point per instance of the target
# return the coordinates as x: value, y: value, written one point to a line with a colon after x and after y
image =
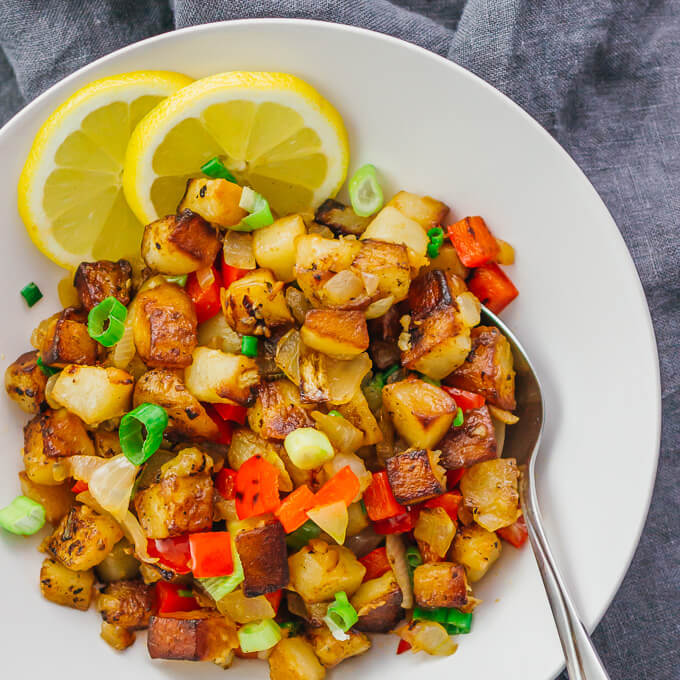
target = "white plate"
x: 430, y: 127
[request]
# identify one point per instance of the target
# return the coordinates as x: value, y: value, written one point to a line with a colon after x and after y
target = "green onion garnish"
x: 258, y: 636
x: 293, y: 627
x: 455, y: 621
x: 413, y: 557
x: 106, y: 321
x: 219, y: 586
x: 181, y: 281
x: 458, y: 420
x: 380, y: 379
x: 137, y: 445
x: 22, y: 516
x: 258, y: 207
x: 335, y: 413
x: 436, y: 236
x: 31, y: 293
x: 215, y: 168
x: 341, y: 616
x: 47, y: 370
x: 185, y: 593
x: 392, y: 369
x: 365, y: 192
x: 249, y: 345
x: 300, y: 537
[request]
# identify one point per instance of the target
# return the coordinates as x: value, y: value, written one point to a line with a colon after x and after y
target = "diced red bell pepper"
x: 168, y: 600
x: 225, y: 483
x: 225, y: 429
x: 450, y: 501
x: 275, y: 599
x: 292, y: 512
x: 473, y: 241
x: 257, y: 488
x: 342, y: 486
x: 79, y: 487
x: 453, y: 477
x: 232, y: 412
x: 398, y: 524
x: 516, y: 534
x: 379, y: 500
x: 492, y: 287
x: 403, y: 646
x: 172, y: 553
x: 206, y: 300
x: 211, y: 554
x: 466, y: 400
x: 231, y: 274
x: 376, y: 563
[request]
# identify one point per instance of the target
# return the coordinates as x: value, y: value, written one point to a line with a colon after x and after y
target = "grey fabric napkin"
x: 602, y: 76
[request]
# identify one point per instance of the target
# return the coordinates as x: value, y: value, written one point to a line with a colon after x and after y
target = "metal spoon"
x: 522, y: 442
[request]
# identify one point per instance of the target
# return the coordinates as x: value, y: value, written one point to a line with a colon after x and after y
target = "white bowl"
x: 434, y: 128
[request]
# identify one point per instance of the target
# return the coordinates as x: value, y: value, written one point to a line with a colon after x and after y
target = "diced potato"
x: 506, y: 253
x: 221, y: 378
x: 244, y: 609
x: 95, y: 281
x: 277, y: 410
x: 391, y: 226
x: 264, y: 557
x: 440, y: 584
x: 106, y: 443
x: 421, y: 412
x: 336, y: 333
x: 256, y: 303
x: 186, y: 416
x: 378, y: 604
x: 385, y: 269
x: 490, y: 492
x: 66, y: 340
x: 448, y: 261
x: 94, y: 393
x: 164, y: 326
x: 119, y: 565
x: 476, y: 549
x: 488, y: 370
x: 294, y: 659
x: 215, y: 200
x: 179, y: 244
x: 427, y: 211
x: 331, y: 651
x: 340, y: 218
x: 216, y: 333
x: 359, y: 414
x: 415, y: 476
x: 83, y: 538
x: 434, y: 530
x: 25, y: 382
x: 275, y: 246
x: 473, y: 442
x: 320, y: 570
x: 64, y: 586
x: 56, y: 500
x: 116, y: 636
x: 127, y: 604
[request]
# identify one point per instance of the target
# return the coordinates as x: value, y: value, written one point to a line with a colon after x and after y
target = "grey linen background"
x: 602, y: 76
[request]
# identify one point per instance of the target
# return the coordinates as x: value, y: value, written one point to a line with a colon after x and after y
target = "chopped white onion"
x: 343, y: 287
x: 370, y: 282
x: 470, y: 308
x: 248, y: 199
x: 125, y: 349
x: 205, y: 277
x: 379, y: 307
x: 111, y: 485
x: 238, y: 249
x: 396, y: 554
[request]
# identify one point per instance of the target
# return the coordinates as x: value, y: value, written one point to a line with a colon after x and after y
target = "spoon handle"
x: 583, y: 662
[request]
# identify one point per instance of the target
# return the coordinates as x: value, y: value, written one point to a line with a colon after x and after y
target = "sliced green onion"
x: 258, y: 636
x: 459, y: 419
x: 47, y: 370
x: 181, y: 281
x: 106, y: 321
x: 392, y: 369
x: 300, y: 537
x: 258, y: 207
x: 219, y: 586
x: 185, y: 593
x: 308, y: 448
x: 22, y: 516
x: 436, y: 236
x: 363, y: 506
x: 380, y: 379
x: 335, y: 413
x: 215, y: 168
x: 341, y: 616
x: 249, y: 345
x: 413, y: 557
x: 365, y: 192
x: 293, y: 627
x: 137, y: 445
x: 454, y: 621
x: 31, y: 293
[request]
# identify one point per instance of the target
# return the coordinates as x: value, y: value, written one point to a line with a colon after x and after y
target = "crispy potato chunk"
x: 56, y: 500
x: 336, y: 333
x: 359, y: 414
x: 95, y: 281
x: 488, y: 369
x: 384, y: 333
x: 256, y: 303
x: 215, y: 200
x: 274, y: 246
x: 476, y: 549
x: 116, y: 636
x: 320, y: 570
x: 448, y: 261
x: 340, y: 218
x: 415, y: 476
x: 106, y: 443
x: 331, y: 651
x: 378, y: 604
x: 473, y: 442
x: 490, y: 492
x: 440, y: 584
x: 277, y: 410
x: 264, y: 557
x: 25, y: 382
x: 66, y: 340
x: 165, y: 326
x: 94, y: 393
x: 427, y: 211
x: 220, y: 378
x: 64, y: 586
x: 127, y: 604
x: 421, y: 412
x: 294, y: 659
x: 186, y: 416
x: 385, y: 269
x: 83, y: 538
x: 179, y: 244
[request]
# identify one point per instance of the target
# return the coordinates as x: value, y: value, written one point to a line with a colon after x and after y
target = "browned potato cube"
x: 106, y: 443
x: 448, y: 261
x: 274, y: 246
x: 116, y: 636
x: 95, y: 281
x: 179, y: 244
x: 336, y: 333
x: 66, y: 340
x: 56, y: 500
x: 476, y: 549
x: 331, y: 651
x: 294, y: 659
x: 83, y: 538
x: 415, y: 475
x: 264, y: 557
x: 165, y: 326
x: 215, y: 200
x: 64, y: 586
x: 378, y: 604
x: 384, y: 333
x: 192, y: 636
x: 340, y: 218
x: 25, y: 382
x: 473, y: 442
x: 488, y: 369
x: 384, y: 268
x: 127, y: 604
x: 277, y: 410
x: 440, y: 584
x: 427, y: 211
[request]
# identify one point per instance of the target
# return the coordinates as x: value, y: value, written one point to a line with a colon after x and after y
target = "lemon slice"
x: 70, y: 191
x: 275, y: 133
